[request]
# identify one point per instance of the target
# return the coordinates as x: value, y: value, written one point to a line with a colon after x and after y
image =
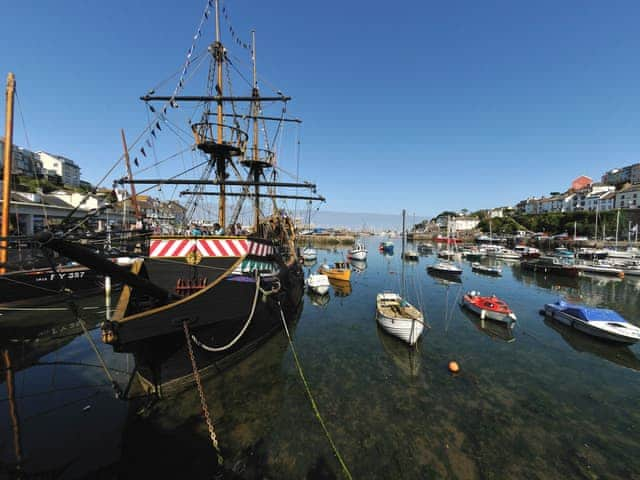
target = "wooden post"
x: 6, y: 184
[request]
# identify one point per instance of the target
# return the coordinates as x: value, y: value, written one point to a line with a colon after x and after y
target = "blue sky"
x: 419, y: 105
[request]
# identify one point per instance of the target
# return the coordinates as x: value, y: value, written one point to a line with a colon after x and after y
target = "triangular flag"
x: 135, y: 160
x: 152, y: 109
x: 143, y: 152
x: 158, y: 125
x: 153, y: 132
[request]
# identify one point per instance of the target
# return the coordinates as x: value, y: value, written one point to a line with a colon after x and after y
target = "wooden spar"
x: 236, y: 183
x: 255, y: 110
x: 243, y: 194
x: 211, y: 98
x: 6, y: 181
x: 262, y: 117
x: 220, y: 162
x: 134, y: 199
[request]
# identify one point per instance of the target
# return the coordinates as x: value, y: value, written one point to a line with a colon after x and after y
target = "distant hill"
x: 359, y: 221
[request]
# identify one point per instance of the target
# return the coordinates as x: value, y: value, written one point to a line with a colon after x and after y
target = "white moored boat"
x: 444, y: 268
x: 318, y: 283
x: 599, y: 322
x: 600, y: 267
x: 507, y: 254
x: 398, y: 317
x: 486, y: 269
x: 358, y: 252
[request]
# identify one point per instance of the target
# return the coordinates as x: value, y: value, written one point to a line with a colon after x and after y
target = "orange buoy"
x: 454, y: 367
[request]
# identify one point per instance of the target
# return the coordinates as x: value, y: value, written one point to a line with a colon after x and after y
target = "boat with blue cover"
x: 599, y: 322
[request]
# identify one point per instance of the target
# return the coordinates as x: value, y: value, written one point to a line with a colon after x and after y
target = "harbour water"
x: 537, y: 401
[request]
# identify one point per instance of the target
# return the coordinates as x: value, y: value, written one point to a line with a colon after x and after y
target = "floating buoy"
x: 454, y: 367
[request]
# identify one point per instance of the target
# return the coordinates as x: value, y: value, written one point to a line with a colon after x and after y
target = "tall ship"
x: 218, y: 292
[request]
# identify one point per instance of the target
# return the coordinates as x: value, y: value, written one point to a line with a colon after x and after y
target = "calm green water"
x: 540, y: 401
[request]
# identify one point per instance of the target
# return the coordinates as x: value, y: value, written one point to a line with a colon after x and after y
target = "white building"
x: 628, y: 197
x: 66, y: 168
x: 532, y: 206
x: 593, y: 201
x: 79, y: 200
x: 555, y: 203
x: 607, y: 202
x: 459, y: 224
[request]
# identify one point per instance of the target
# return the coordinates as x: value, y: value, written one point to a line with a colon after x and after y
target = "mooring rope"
x: 314, y: 405
x: 240, y: 334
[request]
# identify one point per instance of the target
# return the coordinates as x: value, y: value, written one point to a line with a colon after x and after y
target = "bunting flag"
x: 181, y: 83
x: 232, y: 32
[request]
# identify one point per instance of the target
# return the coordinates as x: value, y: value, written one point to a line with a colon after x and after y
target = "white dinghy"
x: 399, y: 318
x: 318, y: 282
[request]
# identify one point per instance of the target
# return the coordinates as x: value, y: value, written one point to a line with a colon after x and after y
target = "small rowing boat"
x: 490, y: 307
x: 399, y: 318
x: 339, y: 271
x: 318, y: 283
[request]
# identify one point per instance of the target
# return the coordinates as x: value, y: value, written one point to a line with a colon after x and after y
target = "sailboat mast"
x: 134, y: 199
x: 404, y: 214
x: 255, y: 107
x: 220, y: 160
x: 6, y: 182
x: 617, y: 226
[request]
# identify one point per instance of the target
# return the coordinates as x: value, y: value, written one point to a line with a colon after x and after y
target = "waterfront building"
x: 23, y: 161
x: 593, y: 201
x: 628, y: 197
x: 618, y: 176
x: 66, y: 168
x: 555, y: 203
x: 607, y: 202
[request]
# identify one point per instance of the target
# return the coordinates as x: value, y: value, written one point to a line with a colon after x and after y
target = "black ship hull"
x: 46, y: 287
x: 163, y: 365
x: 230, y: 306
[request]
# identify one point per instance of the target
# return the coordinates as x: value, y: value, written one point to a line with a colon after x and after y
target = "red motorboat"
x: 488, y: 307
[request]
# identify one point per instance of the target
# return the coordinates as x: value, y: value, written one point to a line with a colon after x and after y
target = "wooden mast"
x: 134, y: 199
x: 6, y: 182
x: 255, y: 111
x: 220, y: 159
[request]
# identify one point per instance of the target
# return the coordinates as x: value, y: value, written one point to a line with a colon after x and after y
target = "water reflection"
x: 342, y: 288
x: 358, y: 266
x: 310, y: 263
x: 494, y: 330
x: 244, y: 402
x: 580, y: 342
x: 406, y: 358
x: 317, y: 299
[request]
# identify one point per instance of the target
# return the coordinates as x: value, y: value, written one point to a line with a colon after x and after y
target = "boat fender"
x: 454, y: 367
x: 483, y: 314
x: 108, y: 333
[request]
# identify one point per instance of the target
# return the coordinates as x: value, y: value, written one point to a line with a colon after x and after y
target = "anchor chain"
x: 203, y: 400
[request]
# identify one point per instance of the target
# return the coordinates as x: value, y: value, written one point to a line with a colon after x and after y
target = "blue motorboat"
x: 598, y: 322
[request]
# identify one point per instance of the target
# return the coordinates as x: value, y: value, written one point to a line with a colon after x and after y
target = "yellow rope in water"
x: 314, y: 405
